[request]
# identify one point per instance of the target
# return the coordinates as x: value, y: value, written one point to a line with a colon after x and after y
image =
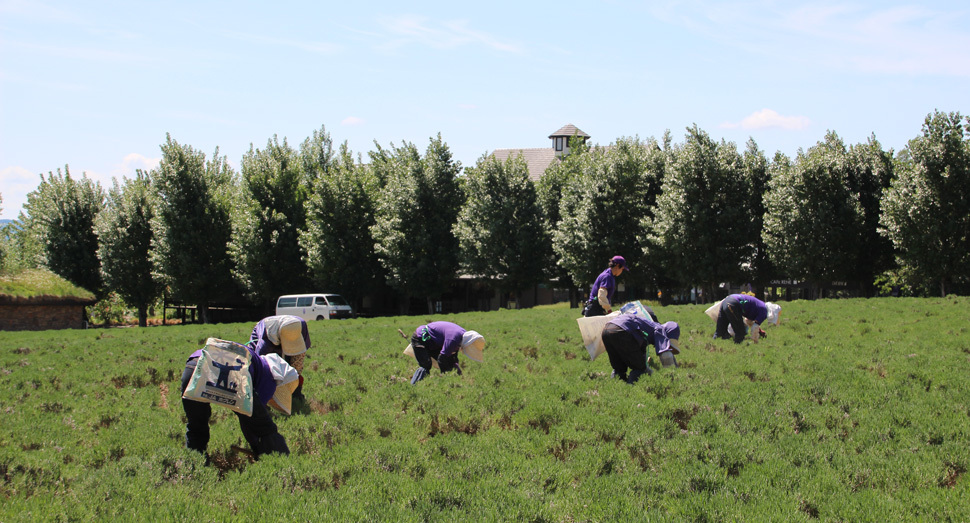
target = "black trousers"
x: 625, y: 352
x: 593, y: 308
x: 259, y: 429
x: 730, y: 313
x: 423, y: 355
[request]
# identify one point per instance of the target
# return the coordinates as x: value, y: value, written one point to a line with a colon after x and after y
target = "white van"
x: 314, y: 306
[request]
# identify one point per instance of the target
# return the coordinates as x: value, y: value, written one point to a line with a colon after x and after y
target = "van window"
x: 287, y: 302
x: 305, y: 301
x: 336, y: 299
x: 322, y: 301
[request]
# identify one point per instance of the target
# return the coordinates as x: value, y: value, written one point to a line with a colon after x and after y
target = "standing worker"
x: 741, y: 311
x: 440, y: 341
x: 625, y: 338
x: 601, y: 293
x: 284, y: 335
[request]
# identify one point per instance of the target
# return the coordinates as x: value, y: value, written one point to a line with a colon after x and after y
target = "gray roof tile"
x: 538, y: 160
x: 569, y: 130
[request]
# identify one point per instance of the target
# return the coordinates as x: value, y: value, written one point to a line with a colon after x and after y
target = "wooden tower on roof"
x: 560, y: 139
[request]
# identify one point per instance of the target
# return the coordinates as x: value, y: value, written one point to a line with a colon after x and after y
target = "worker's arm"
x: 601, y: 296
x: 755, y: 332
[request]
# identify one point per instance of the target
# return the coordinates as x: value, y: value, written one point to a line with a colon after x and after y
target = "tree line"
x: 685, y: 215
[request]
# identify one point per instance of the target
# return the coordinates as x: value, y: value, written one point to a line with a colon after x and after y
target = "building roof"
x: 569, y: 130
x: 538, y: 159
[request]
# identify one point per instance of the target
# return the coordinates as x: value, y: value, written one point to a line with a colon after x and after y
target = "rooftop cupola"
x: 560, y: 139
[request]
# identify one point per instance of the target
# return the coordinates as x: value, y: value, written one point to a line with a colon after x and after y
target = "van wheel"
x: 319, y: 318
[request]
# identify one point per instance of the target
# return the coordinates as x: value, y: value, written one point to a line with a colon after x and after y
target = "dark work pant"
x: 259, y: 429
x: 625, y: 353
x: 593, y: 308
x: 730, y: 313
x: 423, y: 355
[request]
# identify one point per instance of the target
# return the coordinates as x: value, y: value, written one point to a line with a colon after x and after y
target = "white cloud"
x: 769, y: 119
x: 16, y: 182
x: 448, y: 34
x: 352, y: 120
x: 905, y: 39
x: 132, y: 162
x: 75, y: 52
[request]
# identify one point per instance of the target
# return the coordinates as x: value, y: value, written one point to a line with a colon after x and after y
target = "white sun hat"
x: 287, y: 332
x: 774, y: 313
x: 287, y: 380
x: 473, y: 345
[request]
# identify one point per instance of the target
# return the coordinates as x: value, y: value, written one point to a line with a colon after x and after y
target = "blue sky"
x: 96, y: 85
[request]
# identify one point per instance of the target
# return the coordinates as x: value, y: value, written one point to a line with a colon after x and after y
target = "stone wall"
x: 19, y: 317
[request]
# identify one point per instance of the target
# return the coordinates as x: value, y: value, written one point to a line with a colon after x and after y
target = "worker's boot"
x: 667, y: 359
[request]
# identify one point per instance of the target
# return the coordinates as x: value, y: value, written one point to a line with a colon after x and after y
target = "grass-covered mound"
x: 39, y: 284
x: 853, y: 410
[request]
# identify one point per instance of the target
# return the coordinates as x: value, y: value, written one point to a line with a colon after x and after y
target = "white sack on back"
x: 409, y: 351
x: 591, y: 330
x: 714, y: 310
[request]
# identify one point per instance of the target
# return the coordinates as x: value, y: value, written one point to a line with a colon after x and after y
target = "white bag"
x: 409, y: 350
x: 222, y: 377
x: 591, y: 329
x: 714, y: 310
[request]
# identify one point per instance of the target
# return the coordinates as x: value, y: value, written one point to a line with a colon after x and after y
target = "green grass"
x: 39, y: 282
x: 851, y: 410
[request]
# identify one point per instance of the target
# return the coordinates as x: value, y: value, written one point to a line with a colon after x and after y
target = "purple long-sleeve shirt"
x: 646, y: 330
x: 263, y: 382
x: 441, y: 335
x: 605, y: 280
x: 263, y: 345
x: 752, y: 308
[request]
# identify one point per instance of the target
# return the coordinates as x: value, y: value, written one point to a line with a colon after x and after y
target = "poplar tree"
x: 340, y: 216
x: 416, y: 209
x: 601, y: 208
x: 813, y: 218
x: 60, y: 215
x: 125, y: 233
x: 926, y: 210
x: 269, y: 217
x: 193, y: 225
x: 703, y: 228
x: 499, y: 228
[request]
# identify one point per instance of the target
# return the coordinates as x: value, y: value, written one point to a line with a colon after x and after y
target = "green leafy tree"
x: 193, y: 225
x: 814, y: 220
x: 60, y: 216
x: 269, y: 260
x: 926, y: 210
x: 870, y: 172
x: 549, y: 191
x: 4, y: 245
x: 499, y: 228
x: 125, y: 233
x: 758, y: 267
x: 703, y: 228
x: 417, y: 206
x: 22, y: 250
x: 601, y: 207
x: 340, y: 218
